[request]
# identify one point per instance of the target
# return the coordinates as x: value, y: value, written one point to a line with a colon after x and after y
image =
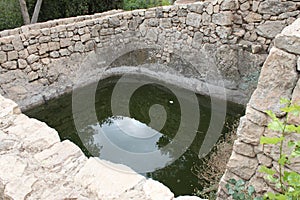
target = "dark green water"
x: 177, y: 176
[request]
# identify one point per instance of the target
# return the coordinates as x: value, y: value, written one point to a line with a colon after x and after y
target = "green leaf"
x: 235, y: 196
x: 251, y: 190
x: 293, y: 179
x: 230, y: 191
x: 276, y: 125
x: 241, y: 196
x: 271, y: 114
x: 296, y: 152
x: 292, y: 128
x: 227, y: 186
x: 232, y: 181
x: 283, y: 159
x: 266, y: 170
x: 293, y: 109
x: 270, y: 195
x: 240, y: 183
x: 272, y: 179
x: 284, y: 101
x: 271, y: 140
x: 291, y: 144
x: 258, y: 198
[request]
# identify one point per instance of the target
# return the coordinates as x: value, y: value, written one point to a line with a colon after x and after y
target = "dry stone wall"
x: 279, y: 78
x: 40, y: 61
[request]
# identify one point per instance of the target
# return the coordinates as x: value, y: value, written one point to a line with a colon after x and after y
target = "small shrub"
x: 287, y: 182
x: 239, y: 191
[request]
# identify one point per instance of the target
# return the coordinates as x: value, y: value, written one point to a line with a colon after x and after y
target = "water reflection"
x: 121, y: 140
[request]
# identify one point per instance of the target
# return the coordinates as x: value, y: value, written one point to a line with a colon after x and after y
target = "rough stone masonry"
x: 278, y: 78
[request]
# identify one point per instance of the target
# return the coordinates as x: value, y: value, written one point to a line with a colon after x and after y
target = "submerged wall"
x: 223, y: 40
x: 278, y: 78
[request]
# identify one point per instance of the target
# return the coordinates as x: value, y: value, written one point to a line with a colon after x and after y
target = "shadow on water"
x: 177, y: 176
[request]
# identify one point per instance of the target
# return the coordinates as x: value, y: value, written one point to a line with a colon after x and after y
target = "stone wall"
x: 278, y: 78
x: 220, y: 38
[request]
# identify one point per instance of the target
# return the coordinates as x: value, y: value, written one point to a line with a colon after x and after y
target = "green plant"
x: 10, y: 15
x: 287, y: 182
x: 238, y: 190
x: 138, y: 4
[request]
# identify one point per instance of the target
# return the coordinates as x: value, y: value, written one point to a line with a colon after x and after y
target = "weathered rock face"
x: 275, y: 7
x: 278, y: 78
x: 46, y: 56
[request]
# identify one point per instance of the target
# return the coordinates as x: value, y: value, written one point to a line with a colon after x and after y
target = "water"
x: 132, y: 133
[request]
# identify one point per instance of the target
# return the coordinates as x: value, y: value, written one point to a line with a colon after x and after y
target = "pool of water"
x: 133, y: 132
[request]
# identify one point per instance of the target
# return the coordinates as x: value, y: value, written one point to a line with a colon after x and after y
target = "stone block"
x: 223, y: 32
x: 245, y: 6
x: 36, y: 66
x: 3, y: 57
x: 229, y: 5
x: 79, y: 47
x: 197, y: 40
x: 270, y: 29
x: 20, y: 187
x: 23, y: 54
x: 32, y: 49
x: 44, y: 39
x: 150, y: 14
x: 109, y: 180
x: 43, y: 48
x: 64, y: 52
x: 65, y: 42
x: 209, y: 9
x: 206, y: 19
x: 10, y: 65
x: 12, y: 167
x: 54, y: 156
x: 243, y: 149
x: 32, y: 58
x: 193, y: 19
x: 165, y: 23
x: 53, y: 46
x: 253, y: 17
x: 7, y: 47
x: 242, y: 166
x: 17, y: 43
x: 288, y: 43
x: 54, y: 54
x: 22, y: 64
x: 156, y: 190
x: 152, y: 35
x: 32, y: 76
x: 114, y: 21
x: 270, y: 88
x: 182, y: 13
x: 275, y: 7
x: 249, y: 132
x: 223, y: 18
